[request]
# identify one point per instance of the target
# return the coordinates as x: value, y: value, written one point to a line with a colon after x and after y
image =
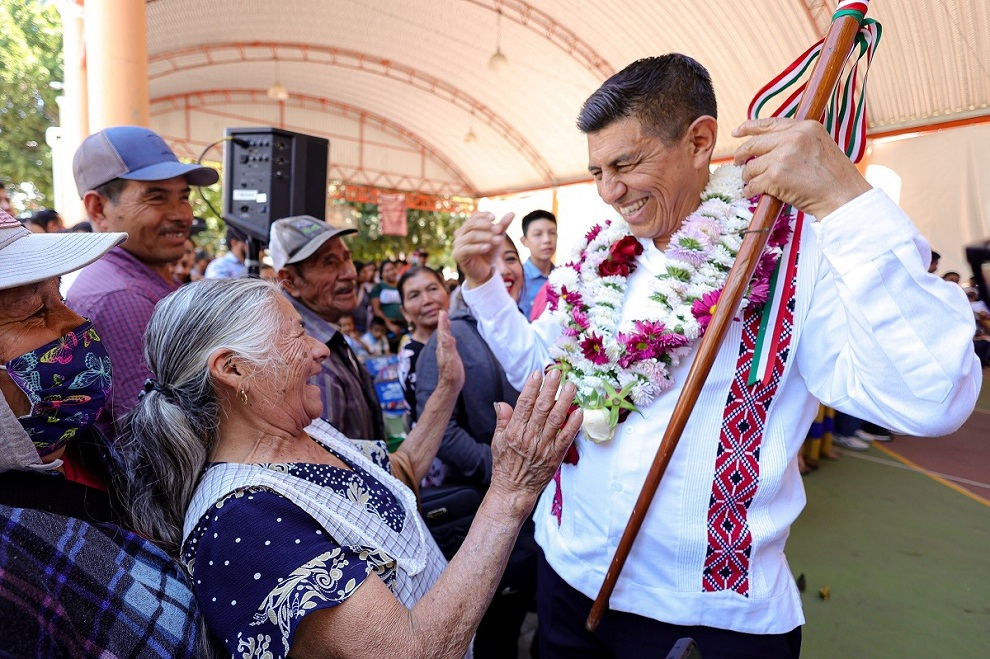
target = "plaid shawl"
x: 69, y: 588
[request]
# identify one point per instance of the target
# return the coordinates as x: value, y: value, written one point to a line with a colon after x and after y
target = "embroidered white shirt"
x: 875, y: 336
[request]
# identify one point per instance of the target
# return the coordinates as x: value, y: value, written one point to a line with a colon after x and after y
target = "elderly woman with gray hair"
x: 299, y: 539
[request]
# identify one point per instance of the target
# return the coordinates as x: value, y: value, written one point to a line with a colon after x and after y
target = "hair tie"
x: 152, y: 384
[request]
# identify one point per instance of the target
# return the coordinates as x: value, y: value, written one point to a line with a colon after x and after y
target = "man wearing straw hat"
x: 859, y: 325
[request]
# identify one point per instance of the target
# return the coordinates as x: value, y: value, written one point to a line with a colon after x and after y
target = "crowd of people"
x: 205, y: 455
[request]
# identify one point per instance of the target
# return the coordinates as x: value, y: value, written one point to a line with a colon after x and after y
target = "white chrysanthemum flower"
x: 665, y: 287
x: 614, y: 350
x: 577, y: 251
x: 564, y: 277
x: 612, y: 296
x: 592, y: 262
x: 725, y: 181
x: 624, y: 377
x: 650, y: 310
x: 731, y: 241
x: 723, y: 256
x: 691, y: 328
x: 717, y: 208
x: 698, y: 290
x: 646, y: 369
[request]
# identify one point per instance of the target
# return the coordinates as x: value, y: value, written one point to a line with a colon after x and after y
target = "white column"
x: 73, y: 113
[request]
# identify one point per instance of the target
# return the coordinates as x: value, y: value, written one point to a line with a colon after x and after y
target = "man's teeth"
x: 633, y: 207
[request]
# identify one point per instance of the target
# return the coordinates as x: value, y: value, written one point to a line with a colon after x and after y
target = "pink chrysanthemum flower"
x: 572, y: 298
x: 650, y: 330
x: 637, y: 348
x: 781, y: 232
x: 759, y: 292
x: 704, y: 308
x: 594, y: 350
x: 670, y: 340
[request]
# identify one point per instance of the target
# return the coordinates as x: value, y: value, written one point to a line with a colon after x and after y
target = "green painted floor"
x: 907, y: 561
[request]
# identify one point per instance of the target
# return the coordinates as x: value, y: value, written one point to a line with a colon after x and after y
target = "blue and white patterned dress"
x: 259, y: 563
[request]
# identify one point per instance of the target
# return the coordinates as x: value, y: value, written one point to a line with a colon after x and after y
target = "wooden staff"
x: 838, y: 44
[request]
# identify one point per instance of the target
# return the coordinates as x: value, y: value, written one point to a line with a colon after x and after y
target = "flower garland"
x: 619, y: 369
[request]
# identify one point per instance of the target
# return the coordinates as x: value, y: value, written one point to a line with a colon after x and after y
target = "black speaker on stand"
x: 270, y: 173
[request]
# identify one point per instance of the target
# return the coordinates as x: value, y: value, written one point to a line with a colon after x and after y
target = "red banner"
x: 392, y: 208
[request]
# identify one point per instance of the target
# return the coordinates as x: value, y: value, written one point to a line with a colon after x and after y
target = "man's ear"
x: 289, y: 279
x: 96, y: 209
x: 524, y: 240
x: 702, y: 134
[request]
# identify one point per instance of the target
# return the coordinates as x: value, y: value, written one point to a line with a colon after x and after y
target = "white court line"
x: 926, y: 472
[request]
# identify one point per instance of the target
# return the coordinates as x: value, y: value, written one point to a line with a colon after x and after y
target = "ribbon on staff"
x: 845, y: 116
x: 845, y: 120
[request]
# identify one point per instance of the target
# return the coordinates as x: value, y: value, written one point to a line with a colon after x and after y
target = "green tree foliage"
x: 30, y: 60
x: 429, y: 230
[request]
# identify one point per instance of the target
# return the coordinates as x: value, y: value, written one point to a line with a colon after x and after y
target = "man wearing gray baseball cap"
x: 314, y: 266
x: 130, y: 180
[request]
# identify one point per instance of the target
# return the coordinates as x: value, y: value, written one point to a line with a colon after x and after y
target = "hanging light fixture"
x: 278, y: 92
x: 470, y: 137
x: 498, y: 61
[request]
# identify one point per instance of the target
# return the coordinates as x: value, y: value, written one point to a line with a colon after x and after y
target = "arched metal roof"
x: 397, y: 85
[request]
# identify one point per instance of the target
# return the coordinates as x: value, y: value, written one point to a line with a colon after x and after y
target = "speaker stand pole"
x: 253, y: 260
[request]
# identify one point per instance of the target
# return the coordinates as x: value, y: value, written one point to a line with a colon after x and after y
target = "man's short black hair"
x: 43, y: 217
x: 533, y: 216
x: 377, y: 321
x: 233, y: 233
x: 665, y: 93
x: 111, y: 189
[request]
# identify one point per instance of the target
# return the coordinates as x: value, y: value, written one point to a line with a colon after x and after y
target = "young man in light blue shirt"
x: 540, y: 238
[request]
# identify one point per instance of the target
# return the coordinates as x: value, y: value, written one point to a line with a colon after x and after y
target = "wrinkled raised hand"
x: 798, y: 163
x: 449, y: 365
x: 477, y: 243
x: 530, y: 441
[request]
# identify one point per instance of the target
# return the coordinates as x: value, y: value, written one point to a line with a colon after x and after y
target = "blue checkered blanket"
x: 69, y: 588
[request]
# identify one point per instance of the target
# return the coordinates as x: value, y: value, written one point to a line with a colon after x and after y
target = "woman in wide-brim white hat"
x: 117, y: 594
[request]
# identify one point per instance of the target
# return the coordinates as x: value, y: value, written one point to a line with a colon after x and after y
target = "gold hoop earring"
x: 243, y: 396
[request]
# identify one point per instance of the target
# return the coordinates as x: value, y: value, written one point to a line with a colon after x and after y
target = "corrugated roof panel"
x: 421, y: 67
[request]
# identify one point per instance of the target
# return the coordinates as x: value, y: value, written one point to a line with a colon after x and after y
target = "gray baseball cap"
x: 295, y: 239
x: 134, y: 153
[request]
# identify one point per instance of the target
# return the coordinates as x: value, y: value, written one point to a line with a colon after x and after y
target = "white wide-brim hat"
x: 26, y: 257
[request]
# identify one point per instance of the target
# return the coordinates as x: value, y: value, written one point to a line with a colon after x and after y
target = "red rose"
x: 609, y: 267
x: 626, y: 249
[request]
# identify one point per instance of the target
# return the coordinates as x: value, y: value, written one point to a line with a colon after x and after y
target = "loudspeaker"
x: 270, y: 173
